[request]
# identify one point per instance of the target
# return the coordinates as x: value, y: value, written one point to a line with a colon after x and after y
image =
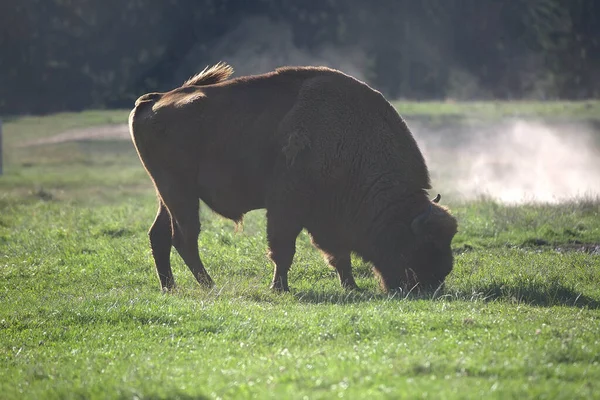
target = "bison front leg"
x: 160, y: 242
x: 281, y: 235
x: 343, y: 266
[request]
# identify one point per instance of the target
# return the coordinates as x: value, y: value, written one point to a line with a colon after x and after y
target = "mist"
x: 259, y: 44
x: 513, y: 162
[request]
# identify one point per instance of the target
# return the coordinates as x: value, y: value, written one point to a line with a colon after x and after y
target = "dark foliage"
x: 70, y: 55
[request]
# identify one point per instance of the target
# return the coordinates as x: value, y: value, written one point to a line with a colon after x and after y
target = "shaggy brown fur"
x: 318, y: 149
x: 208, y: 76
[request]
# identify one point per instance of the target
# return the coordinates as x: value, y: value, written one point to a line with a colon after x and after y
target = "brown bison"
x: 317, y: 148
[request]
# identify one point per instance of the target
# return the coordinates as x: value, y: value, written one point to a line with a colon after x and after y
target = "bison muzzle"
x: 318, y: 149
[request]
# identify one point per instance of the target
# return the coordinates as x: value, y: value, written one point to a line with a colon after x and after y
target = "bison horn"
x: 419, y: 221
x: 437, y: 198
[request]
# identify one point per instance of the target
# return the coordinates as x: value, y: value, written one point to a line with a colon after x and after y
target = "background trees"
x: 75, y: 54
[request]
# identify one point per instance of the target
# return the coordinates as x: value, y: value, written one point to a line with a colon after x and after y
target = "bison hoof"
x: 168, y: 289
x: 279, y: 287
x: 167, y: 284
x: 349, y: 285
x: 205, y: 281
x: 208, y: 283
x: 352, y: 288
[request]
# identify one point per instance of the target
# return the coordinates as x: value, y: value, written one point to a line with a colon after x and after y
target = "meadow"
x: 82, y: 315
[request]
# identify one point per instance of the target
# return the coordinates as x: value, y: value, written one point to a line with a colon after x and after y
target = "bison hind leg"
x: 160, y: 242
x: 337, y: 259
x: 183, y: 207
x: 342, y: 264
x: 281, y: 235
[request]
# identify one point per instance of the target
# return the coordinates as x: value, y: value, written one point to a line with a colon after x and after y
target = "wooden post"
x: 405, y: 86
x: 0, y: 147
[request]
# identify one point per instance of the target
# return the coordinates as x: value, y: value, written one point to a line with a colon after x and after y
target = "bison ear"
x: 418, y: 225
x: 435, y: 223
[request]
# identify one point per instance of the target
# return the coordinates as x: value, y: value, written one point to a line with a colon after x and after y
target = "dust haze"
x: 513, y: 162
x: 259, y: 44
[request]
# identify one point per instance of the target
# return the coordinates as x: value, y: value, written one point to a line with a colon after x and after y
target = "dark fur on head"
x: 420, y: 257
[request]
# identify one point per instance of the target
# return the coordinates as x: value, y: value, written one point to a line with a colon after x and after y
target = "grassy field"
x: 497, y: 109
x: 82, y: 315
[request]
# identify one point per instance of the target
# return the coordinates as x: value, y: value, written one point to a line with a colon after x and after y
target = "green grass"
x: 493, y: 110
x: 82, y: 315
x: 23, y: 129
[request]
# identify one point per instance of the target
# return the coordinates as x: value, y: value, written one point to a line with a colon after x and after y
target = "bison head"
x: 424, y: 257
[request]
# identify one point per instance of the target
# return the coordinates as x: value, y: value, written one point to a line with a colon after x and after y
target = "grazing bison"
x: 317, y: 148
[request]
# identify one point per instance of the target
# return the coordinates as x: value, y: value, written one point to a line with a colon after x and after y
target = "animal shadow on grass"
x: 554, y: 294
x: 316, y: 296
x: 116, y: 232
x: 124, y: 317
x: 172, y: 395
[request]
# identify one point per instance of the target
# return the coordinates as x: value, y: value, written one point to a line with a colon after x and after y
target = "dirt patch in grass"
x: 541, y: 244
x: 589, y: 248
x: 101, y: 132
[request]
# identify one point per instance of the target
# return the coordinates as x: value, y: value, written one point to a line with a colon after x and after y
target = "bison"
x: 318, y: 149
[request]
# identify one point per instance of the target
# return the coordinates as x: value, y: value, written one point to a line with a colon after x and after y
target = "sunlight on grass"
x: 494, y: 110
x: 82, y: 315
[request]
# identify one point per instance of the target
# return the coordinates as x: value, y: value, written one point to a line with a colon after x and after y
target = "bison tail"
x: 143, y: 110
x: 208, y: 76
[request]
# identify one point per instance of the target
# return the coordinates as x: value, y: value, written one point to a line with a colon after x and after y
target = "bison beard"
x: 318, y: 149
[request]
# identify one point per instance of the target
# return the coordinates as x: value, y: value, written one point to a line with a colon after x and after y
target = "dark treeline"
x: 60, y: 55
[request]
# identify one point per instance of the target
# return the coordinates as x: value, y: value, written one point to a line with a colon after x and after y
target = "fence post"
x: 0, y: 147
